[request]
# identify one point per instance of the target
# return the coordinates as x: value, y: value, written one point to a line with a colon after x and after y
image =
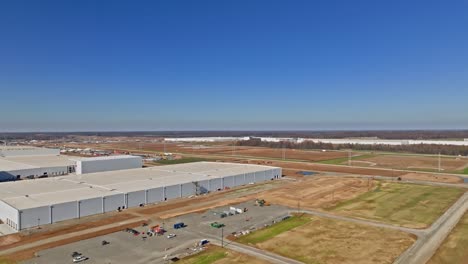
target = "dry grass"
x: 337, y: 242
x: 409, y: 205
x: 318, y: 192
x: 218, y: 255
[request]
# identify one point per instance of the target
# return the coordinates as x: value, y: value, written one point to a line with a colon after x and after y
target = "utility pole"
x: 222, y: 236
x: 233, y: 148
x: 284, y: 152
x: 439, y: 162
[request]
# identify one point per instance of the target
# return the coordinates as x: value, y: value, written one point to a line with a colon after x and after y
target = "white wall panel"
x: 90, y: 206
x: 134, y: 199
x: 8, y: 212
x: 229, y: 181
x: 204, y: 186
x: 112, y: 202
x: 111, y: 164
x: 64, y: 211
x: 156, y: 195
x: 249, y: 177
x: 34, y: 217
x: 269, y: 174
x: 259, y: 176
x: 216, y: 184
x: 172, y: 191
x: 239, y: 180
x: 188, y: 189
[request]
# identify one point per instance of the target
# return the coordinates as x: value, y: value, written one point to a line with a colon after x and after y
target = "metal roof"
x: 48, y: 191
x: 104, y: 158
x: 33, y: 162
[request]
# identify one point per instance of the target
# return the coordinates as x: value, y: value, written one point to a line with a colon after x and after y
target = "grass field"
x: 218, y: 255
x: 179, y: 161
x: 268, y: 233
x: 408, y: 205
x: 341, y: 161
x: 455, y: 247
x: 311, y: 239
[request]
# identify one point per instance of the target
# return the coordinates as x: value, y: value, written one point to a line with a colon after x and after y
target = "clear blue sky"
x: 246, y: 64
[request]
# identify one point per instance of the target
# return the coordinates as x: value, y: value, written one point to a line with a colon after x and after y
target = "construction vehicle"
x: 217, y: 225
x: 261, y: 202
x: 156, y: 230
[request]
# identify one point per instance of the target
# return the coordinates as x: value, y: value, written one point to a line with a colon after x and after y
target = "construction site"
x: 235, y: 204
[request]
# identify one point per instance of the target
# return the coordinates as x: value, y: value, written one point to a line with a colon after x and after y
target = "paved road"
x: 423, y: 249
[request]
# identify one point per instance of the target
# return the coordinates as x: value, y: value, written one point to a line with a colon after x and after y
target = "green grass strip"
x: 274, y: 230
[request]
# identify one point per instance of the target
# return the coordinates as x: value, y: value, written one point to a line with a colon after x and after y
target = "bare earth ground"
x: 318, y: 192
x: 336, y: 242
x: 455, y: 248
x: 430, y: 177
x: 225, y: 256
x: 417, y: 162
x: 308, y: 155
x: 291, y: 166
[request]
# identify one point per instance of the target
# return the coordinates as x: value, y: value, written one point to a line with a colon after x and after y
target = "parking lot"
x: 124, y: 247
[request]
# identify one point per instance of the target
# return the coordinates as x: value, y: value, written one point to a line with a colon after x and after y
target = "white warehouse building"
x: 13, y: 151
x: 108, y: 163
x: 26, y: 204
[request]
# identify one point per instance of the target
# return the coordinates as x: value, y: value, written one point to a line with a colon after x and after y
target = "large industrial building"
x: 12, y: 151
x: 25, y: 162
x: 107, y: 163
x: 26, y: 204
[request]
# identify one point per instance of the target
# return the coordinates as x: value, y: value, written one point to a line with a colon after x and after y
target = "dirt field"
x: 452, y: 164
x: 431, y: 177
x: 455, y: 247
x: 318, y: 192
x: 218, y: 255
x: 336, y: 242
x: 224, y: 149
x: 293, y: 167
x: 409, y: 205
x: 292, y: 154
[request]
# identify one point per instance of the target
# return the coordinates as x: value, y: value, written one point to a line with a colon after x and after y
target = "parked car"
x: 79, y: 259
x: 171, y: 235
x: 179, y: 225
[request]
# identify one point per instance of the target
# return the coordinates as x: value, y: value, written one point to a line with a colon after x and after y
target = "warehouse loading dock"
x: 27, y: 204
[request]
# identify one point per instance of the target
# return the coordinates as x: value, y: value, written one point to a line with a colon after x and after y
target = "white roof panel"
x: 48, y: 191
